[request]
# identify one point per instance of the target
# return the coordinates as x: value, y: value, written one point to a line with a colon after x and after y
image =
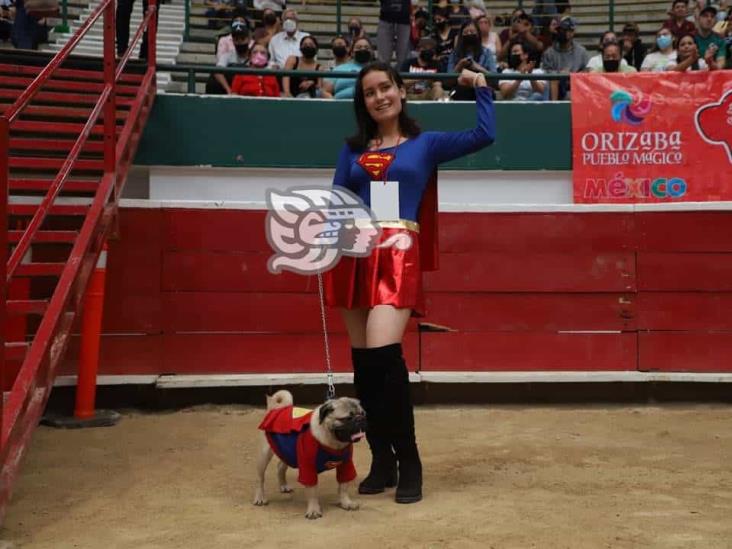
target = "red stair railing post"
x: 110, y: 108
x: 91, y: 332
x: 4, y: 186
x: 152, y: 34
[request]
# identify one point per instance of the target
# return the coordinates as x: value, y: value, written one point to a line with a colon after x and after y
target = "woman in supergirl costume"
x: 378, y: 294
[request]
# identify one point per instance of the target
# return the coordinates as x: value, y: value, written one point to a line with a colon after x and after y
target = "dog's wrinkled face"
x: 344, y: 418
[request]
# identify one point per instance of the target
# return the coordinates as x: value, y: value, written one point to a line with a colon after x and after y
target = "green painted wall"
x: 236, y: 132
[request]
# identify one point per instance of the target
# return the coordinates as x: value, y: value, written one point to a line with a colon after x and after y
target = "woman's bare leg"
x: 355, y: 321
x: 386, y: 325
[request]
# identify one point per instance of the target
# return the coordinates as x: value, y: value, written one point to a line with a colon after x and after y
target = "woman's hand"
x: 467, y: 78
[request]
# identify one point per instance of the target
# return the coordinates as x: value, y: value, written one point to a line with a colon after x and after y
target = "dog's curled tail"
x: 280, y: 399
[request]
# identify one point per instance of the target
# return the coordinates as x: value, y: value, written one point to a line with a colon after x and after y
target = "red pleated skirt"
x: 388, y: 276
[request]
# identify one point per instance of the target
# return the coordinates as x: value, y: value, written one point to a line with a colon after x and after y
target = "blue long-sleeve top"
x: 417, y: 158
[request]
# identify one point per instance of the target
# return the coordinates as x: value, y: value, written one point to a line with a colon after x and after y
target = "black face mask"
x: 308, y: 52
x: 355, y: 30
x: 611, y: 65
x: 241, y: 49
x: 441, y: 25
x: 514, y: 61
x: 470, y: 40
x: 269, y: 19
x: 427, y: 55
x: 362, y: 56
x: 339, y: 51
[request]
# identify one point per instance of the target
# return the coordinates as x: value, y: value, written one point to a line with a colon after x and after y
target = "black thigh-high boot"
x: 401, y: 411
x: 369, y: 376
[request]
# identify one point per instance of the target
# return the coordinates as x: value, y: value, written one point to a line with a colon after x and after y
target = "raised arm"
x: 446, y: 146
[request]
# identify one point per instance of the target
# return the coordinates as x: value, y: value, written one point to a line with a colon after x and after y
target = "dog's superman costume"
x: 389, y: 275
x: 288, y: 433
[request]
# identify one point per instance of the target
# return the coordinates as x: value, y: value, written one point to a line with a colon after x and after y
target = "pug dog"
x: 312, y: 442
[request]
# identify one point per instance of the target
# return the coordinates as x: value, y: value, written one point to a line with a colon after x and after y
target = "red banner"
x: 652, y: 137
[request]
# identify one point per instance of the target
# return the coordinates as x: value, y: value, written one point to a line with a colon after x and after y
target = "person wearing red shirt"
x: 253, y: 84
x: 677, y: 23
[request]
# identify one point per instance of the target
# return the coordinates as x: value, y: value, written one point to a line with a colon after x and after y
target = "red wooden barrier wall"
x: 188, y: 292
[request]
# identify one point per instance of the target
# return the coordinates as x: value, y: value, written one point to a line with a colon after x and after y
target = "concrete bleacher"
x: 319, y: 18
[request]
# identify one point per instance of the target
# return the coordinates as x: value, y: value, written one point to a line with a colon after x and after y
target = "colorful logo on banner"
x: 628, y: 108
x: 714, y: 122
x: 652, y: 137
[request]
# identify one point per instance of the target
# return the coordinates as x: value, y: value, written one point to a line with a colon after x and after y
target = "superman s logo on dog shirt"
x: 375, y: 163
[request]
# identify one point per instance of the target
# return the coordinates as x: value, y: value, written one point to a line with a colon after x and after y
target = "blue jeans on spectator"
x: 27, y: 32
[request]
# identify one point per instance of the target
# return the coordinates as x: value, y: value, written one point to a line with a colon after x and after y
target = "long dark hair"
x: 367, y: 128
x: 461, y: 50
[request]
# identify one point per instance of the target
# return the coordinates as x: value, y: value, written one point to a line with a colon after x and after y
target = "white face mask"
x: 289, y: 25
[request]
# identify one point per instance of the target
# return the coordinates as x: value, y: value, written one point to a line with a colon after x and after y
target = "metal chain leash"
x: 329, y: 369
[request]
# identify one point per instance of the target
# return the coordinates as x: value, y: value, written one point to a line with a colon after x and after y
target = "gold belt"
x: 398, y: 224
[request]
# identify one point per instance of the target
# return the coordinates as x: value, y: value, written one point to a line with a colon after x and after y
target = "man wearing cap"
x: 240, y: 36
x: 707, y: 39
x: 286, y: 43
x: 634, y: 51
x: 565, y: 56
x: 426, y: 90
x: 677, y: 22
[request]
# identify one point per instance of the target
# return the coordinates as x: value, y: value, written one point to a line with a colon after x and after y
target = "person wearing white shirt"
x: 521, y: 90
x: 664, y: 56
x: 286, y: 43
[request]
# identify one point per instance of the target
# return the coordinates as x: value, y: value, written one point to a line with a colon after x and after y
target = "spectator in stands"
x: 612, y: 60
x: 339, y: 47
x: 677, y: 22
x: 219, y: 83
x: 220, y: 10
x: 565, y: 56
x: 706, y: 39
x: 122, y: 26
x: 419, y: 27
x: 521, y: 29
x: 225, y: 43
x: 476, y: 9
x: 662, y: 55
x: 362, y: 53
x: 424, y: 62
x: 457, y: 14
x: 270, y: 23
x: 549, y: 33
x: 274, y: 5
x: 286, y: 43
x: 304, y: 87
x: 688, y: 57
x: 7, y: 13
x: 489, y: 38
x: 521, y: 90
x: 563, y: 7
x: 595, y: 64
x: 445, y: 38
x: 393, y: 30
x: 355, y: 29
x: 469, y: 54
x: 725, y: 29
x: 255, y: 85
x: 543, y: 12
x: 634, y: 51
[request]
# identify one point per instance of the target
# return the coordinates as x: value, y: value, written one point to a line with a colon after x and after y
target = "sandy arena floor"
x: 501, y: 477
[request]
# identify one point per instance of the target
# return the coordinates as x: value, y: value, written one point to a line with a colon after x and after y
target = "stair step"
x: 37, y: 162
x: 39, y: 269
x: 46, y: 237
x: 54, y: 84
x: 65, y: 98
x: 37, y: 144
x: 16, y: 350
x: 27, y: 209
x: 56, y: 127
x: 21, y: 307
x: 74, y: 74
x: 58, y: 112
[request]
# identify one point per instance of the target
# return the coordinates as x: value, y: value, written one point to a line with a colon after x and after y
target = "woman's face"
x: 485, y: 26
x: 308, y: 42
x: 686, y: 46
x: 361, y: 45
x: 665, y: 32
x: 470, y: 30
x: 382, y: 97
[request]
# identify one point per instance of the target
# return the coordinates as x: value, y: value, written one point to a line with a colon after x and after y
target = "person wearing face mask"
x: 225, y: 43
x: 362, y: 53
x: 304, y: 87
x: 521, y: 90
x: 634, y: 51
x: 355, y: 28
x: 423, y: 90
x: 219, y: 83
x: 595, y: 62
x: 445, y: 38
x: 339, y: 47
x: 663, y: 55
x: 470, y: 54
x: 255, y: 85
x: 612, y: 60
x: 706, y: 39
x: 286, y: 43
x: 392, y: 33
x: 565, y: 56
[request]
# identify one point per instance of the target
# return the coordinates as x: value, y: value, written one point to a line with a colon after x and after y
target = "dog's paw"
x: 285, y: 489
x: 349, y: 505
x: 313, y: 513
x: 259, y: 500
